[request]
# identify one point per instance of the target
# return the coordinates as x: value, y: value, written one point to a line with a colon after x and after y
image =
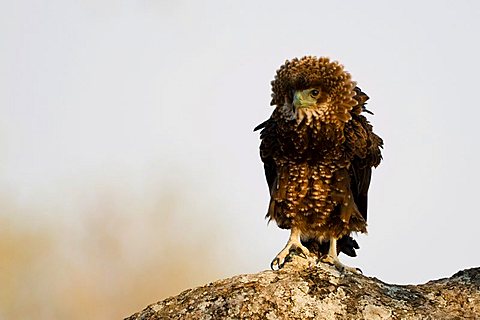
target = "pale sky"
x: 165, y: 94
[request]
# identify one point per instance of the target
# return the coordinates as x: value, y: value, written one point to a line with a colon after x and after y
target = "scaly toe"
x: 338, y: 265
x: 304, y: 252
x: 328, y: 259
x: 351, y: 269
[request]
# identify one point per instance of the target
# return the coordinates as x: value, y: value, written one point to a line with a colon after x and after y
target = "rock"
x: 305, y: 290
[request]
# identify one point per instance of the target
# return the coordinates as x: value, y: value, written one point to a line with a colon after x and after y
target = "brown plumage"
x: 318, y: 150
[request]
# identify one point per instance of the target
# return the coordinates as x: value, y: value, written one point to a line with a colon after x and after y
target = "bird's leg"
x: 293, y: 243
x: 332, y: 258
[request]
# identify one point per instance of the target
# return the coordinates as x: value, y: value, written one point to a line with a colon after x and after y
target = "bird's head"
x: 313, y: 87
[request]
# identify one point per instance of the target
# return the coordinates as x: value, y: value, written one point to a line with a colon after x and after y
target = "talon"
x: 302, y: 254
x: 293, y: 244
x: 272, y: 265
x: 275, y: 262
x: 352, y: 270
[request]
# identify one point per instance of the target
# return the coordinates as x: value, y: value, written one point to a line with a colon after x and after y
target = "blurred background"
x: 129, y: 170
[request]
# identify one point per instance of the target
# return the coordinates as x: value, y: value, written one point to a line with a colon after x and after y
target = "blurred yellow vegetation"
x: 110, y: 258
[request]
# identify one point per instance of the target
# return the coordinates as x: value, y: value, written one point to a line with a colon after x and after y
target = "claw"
x: 352, y: 270
x: 338, y: 265
x: 303, y: 255
x: 293, y: 244
x: 275, y: 262
x: 278, y: 262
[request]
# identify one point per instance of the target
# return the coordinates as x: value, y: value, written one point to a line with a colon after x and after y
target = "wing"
x: 361, y: 167
x: 266, y: 150
x: 365, y: 147
x: 359, y: 183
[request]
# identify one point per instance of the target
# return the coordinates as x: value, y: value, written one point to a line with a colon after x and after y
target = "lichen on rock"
x: 306, y: 290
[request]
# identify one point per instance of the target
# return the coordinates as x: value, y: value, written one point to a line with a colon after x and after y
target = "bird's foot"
x: 292, y: 245
x: 340, y: 266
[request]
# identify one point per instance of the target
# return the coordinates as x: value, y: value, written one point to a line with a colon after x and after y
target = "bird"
x: 318, y: 150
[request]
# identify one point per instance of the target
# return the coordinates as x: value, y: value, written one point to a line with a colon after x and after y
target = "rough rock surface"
x: 303, y: 290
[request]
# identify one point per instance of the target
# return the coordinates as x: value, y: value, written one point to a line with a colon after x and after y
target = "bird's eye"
x: 314, y: 93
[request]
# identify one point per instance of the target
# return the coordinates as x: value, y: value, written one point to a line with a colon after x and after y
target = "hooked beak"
x: 299, y: 99
x: 296, y: 99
